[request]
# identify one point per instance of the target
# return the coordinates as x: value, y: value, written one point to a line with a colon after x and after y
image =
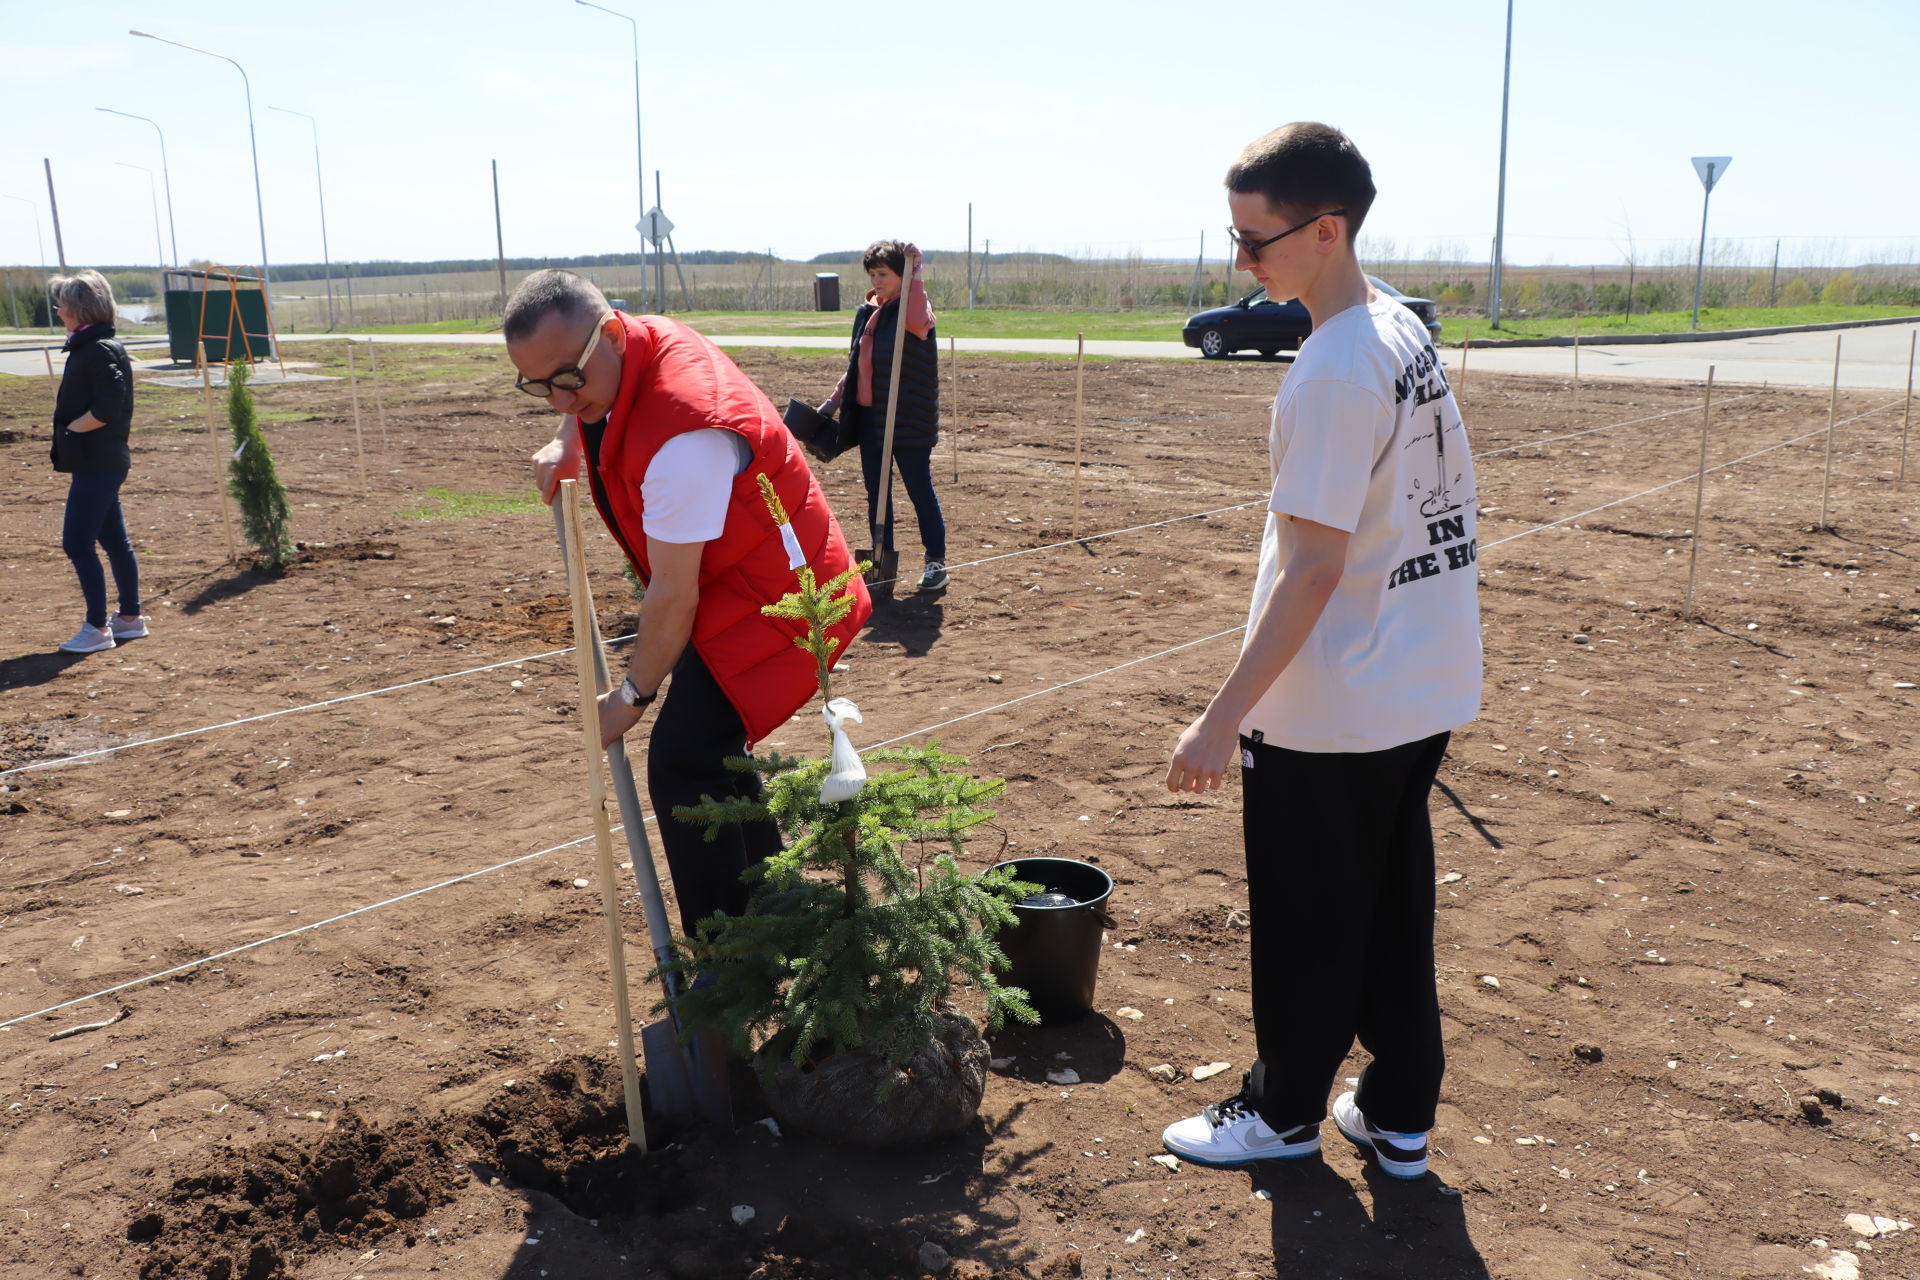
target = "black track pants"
x: 1340, y: 880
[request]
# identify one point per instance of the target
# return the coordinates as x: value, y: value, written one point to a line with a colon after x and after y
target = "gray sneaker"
x: 934, y: 576
x: 89, y: 639
x: 124, y: 628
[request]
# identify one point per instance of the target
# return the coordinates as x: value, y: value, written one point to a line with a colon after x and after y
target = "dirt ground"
x: 1679, y: 905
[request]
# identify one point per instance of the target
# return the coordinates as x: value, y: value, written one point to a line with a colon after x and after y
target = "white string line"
x: 1065, y: 684
x: 538, y: 657
x: 1631, y: 422
x: 279, y: 937
x: 1691, y: 475
x: 284, y: 711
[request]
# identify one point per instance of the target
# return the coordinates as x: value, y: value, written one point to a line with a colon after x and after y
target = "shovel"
x: 683, y: 1080
x: 886, y: 560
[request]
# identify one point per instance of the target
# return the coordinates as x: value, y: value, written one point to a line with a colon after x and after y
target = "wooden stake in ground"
x: 219, y: 456
x: 1079, y: 420
x: 51, y: 380
x: 359, y: 441
x: 953, y: 363
x: 1833, y: 406
x: 1576, y: 362
x: 380, y: 405
x: 1912, y: 342
x: 585, y: 629
x: 1699, y: 497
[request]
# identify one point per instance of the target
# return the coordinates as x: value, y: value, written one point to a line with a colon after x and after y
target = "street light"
x: 259, y: 205
x: 640, y: 166
x: 165, y: 175
x: 326, y: 263
x: 41, y: 244
x: 159, y: 249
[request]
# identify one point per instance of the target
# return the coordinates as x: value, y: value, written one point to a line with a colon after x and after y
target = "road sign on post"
x: 1711, y: 169
x: 656, y: 226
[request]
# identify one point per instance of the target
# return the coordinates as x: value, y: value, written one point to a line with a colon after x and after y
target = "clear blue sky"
x: 1074, y: 127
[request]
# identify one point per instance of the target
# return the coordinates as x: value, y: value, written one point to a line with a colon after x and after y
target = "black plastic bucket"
x: 1054, y: 951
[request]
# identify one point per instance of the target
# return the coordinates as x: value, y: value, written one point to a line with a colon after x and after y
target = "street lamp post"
x: 639, y: 158
x: 259, y: 204
x: 159, y: 247
x: 166, y: 178
x: 326, y: 263
x: 41, y: 245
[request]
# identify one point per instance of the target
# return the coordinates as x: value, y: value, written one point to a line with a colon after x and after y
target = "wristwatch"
x: 630, y: 694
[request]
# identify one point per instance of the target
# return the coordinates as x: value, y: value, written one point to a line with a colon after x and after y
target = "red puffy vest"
x: 672, y: 381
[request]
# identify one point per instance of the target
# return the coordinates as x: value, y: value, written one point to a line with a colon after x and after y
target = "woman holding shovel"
x: 861, y: 397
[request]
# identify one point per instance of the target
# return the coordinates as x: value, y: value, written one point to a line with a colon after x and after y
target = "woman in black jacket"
x: 861, y: 397
x: 91, y: 420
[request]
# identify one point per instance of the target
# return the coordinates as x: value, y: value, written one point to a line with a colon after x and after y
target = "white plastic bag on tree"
x: 849, y: 773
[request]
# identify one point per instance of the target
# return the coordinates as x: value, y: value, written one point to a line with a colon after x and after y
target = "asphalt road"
x: 1872, y: 358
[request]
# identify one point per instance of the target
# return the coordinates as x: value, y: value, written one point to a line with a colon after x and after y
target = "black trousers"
x: 694, y: 732
x: 1340, y: 881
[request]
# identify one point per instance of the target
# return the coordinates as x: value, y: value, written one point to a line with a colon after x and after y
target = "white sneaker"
x: 89, y: 640
x: 123, y: 630
x: 1232, y: 1133
x: 1399, y: 1155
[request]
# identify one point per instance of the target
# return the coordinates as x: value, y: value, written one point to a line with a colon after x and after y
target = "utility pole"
x: 1500, y: 209
x: 59, y: 244
x: 499, y: 237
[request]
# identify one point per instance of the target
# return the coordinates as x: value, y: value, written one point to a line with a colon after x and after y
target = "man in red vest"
x: 674, y: 436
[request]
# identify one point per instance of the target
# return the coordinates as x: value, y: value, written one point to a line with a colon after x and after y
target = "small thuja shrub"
x: 252, y: 479
x: 856, y: 934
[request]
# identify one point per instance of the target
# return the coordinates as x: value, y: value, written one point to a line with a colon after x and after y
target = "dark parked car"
x: 1258, y: 323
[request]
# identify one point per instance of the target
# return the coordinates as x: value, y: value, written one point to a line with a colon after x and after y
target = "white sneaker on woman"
x: 89, y: 639
x: 125, y: 628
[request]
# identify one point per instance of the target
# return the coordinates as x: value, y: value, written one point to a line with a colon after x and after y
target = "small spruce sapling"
x: 855, y: 935
x: 252, y: 480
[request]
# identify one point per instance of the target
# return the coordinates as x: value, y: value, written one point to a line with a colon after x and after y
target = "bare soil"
x: 1677, y: 861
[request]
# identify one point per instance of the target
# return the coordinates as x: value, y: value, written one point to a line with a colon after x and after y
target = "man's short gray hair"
x: 548, y: 293
x: 85, y: 295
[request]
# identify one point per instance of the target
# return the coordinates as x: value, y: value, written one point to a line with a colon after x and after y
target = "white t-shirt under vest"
x: 1367, y: 438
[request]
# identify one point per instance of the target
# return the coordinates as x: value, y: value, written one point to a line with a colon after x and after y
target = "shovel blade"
x: 881, y: 578
x: 669, y: 1078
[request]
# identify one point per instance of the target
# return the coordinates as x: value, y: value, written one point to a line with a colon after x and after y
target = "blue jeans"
x: 93, y: 516
x: 916, y: 471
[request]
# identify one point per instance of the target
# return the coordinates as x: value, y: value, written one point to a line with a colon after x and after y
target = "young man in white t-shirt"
x: 1362, y: 653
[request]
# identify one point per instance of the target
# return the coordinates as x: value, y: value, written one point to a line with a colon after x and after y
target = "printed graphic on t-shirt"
x: 1440, y: 485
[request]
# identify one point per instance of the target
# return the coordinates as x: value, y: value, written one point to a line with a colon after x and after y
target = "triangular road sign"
x: 1711, y: 169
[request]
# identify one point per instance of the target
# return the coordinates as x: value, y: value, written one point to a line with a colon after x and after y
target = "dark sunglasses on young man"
x: 1252, y: 248
x: 569, y: 379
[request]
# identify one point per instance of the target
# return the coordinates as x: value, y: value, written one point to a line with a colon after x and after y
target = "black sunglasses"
x: 569, y: 379
x: 1252, y: 248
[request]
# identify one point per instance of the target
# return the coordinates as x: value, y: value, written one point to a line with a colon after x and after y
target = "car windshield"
x: 1384, y: 287
x: 1260, y: 298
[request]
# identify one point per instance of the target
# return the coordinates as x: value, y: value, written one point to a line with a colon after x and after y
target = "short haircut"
x: 1303, y: 169
x: 891, y: 252
x: 551, y: 292
x: 85, y: 295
